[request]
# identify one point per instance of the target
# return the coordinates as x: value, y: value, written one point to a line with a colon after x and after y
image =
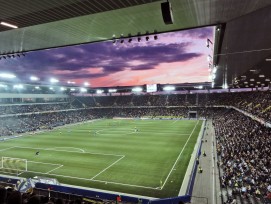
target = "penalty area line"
x: 107, y: 167
x: 54, y: 169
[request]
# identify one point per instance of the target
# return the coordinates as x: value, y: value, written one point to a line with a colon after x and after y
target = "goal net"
x: 16, y: 164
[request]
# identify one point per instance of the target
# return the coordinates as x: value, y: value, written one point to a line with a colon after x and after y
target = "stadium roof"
x: 55, y: 23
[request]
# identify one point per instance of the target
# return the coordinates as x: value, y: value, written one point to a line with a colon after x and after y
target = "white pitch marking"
x: 43, y: 163
x: 55, y: 148
x: 100, y: 181
x: 116, y: 155
x: 179, y: 156
x: 107, y: 168
x: 124, y: 184
x: 7, y: 148
x: 54, y: 169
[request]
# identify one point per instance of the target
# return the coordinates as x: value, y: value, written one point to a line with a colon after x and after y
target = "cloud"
x: 98, y: 60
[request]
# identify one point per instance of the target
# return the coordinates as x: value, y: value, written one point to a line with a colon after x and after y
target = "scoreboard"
x: 151, y: 88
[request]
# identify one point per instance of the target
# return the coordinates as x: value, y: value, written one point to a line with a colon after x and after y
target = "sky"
x: 176, y: 57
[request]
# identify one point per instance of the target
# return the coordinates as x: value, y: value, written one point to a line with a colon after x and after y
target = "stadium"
x: 114, y: 102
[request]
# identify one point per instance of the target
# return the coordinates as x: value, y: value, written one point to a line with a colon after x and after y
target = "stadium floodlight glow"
x: 18, y: 86
x: 213, y: 76
x: 53, y: 80
x: 268, y: 60
x: 83, y: 90
x: 72, y: 89
x: 209, y: 58
x: 267, y: 79
x: 168, y: 88
x: 214, y: 70
x: 200, y: 87
x: 99, y: 91
x: 7, y: 76
x: 86, y: 84
x: 137, y: 89
x: 225, y: 86
x: 261, y: 76
x: 37, y: 87
x: 51, y: 88
x: 34, y: 78
x: 3, y: 86
x: 70, y: 82
x: 112, y: 90
x: 63, y: 89
x: 8, y: 24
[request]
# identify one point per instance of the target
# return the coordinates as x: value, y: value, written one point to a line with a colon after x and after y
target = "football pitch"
x: 142, y: 157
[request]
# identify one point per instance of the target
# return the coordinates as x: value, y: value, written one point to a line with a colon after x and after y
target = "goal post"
x: 11, y: 163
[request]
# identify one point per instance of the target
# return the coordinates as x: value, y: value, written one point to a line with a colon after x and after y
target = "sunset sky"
x: 174, y: 58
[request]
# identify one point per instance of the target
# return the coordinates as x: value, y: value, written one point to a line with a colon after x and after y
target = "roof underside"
x: 55, y: 23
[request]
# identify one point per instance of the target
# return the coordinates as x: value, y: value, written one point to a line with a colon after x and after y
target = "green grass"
x: 110, y: 155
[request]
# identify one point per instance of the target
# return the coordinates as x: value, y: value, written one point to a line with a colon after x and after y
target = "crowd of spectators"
x: 13, y: 125
x: 257, y: 103
x: 244, y: 147
x: 26, y: 108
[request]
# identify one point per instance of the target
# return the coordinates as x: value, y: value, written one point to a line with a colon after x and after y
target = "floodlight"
x: 86, y: 83
x: 34, y: 78
x: 261, y: 76
x: 137, y: 89
x: 99, y: 91
x: 62, y: 89
x: 200, y: 87
x: 83, y: 90
x: 51, y: 88
x: 8, y: 24
x: 72, y: 89
x: 7, y: 76
x: 168, y: 88
x: 37, y: 87
x: 213, y: 76
x: 209, y: 58
x: 70, y: 82
x: 225, y: 86
x: 112, y: 90
x: 18, y: 86
x: 3, y: 86
x: 53, y: 80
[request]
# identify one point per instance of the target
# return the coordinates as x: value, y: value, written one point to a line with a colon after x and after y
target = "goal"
x: 17, y: 164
